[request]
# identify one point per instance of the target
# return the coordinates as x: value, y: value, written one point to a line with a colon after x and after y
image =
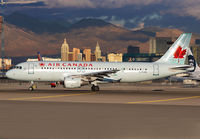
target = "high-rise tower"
x: 76, y: 52
x: 87, y: 53
x: 64, y: 50
x: 97, y: 52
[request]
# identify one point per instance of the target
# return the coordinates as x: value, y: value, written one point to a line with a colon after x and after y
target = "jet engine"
x: 72, y: 82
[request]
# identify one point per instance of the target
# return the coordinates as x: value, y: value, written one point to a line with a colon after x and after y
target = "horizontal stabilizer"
x: 185, y: 67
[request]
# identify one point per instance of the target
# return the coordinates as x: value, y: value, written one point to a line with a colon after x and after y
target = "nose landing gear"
x: 32, y: 87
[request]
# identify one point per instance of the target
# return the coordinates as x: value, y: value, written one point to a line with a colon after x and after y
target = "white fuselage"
x: 57, y: 71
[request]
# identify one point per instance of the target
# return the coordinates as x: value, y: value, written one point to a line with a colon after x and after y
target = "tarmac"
x: 117, y: 111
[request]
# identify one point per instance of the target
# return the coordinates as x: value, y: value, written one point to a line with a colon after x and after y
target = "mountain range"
x: 25, y: 35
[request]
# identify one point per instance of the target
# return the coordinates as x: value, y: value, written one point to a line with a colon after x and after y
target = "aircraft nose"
x: 8, y: 74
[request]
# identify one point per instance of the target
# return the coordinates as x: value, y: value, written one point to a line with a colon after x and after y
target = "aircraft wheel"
x: 95, y: 88
x: 30, y: 89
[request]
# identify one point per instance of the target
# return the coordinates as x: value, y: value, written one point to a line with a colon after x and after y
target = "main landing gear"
x: 95, y: 88
x: 32, y: 87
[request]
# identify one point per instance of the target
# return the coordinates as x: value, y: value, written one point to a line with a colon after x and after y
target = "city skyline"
x: 77, y: 54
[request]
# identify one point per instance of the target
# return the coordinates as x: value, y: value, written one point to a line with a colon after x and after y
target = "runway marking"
x: 56, y: 96
x: 163, y: 100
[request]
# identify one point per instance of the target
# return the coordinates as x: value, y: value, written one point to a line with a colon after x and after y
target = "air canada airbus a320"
x: 77, y: 74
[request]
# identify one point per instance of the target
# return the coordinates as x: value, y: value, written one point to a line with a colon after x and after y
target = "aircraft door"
x: 31, y: 68
x: 156, y: 70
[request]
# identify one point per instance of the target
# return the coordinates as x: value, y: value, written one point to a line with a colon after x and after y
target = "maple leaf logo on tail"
x: 176, y: 54
x: 179, y: 53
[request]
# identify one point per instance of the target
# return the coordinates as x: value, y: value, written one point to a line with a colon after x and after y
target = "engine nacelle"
x: 72, y: 82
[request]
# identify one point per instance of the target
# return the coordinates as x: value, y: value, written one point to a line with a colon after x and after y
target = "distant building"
x: 80, y: 57
x: 103, y: 59
x: 196, y: 53
x: 97, y: 52
x: 197, y: 41
x: 133, y: 50
x: 141, y: 57
x: 44, y: 59
x: 64, y: 51
x: 87, y: 53
x: 93, y: 57
x: 76, y: 51
x: 159, y: 45
x: 115, y: 57
x: 71, y: 56
x: 7, y: 63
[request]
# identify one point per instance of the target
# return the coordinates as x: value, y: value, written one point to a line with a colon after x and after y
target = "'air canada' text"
x: 66, y: 64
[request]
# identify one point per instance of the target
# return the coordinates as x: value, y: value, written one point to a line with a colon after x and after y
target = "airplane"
x: 77, y: 74
x: 193, y: 74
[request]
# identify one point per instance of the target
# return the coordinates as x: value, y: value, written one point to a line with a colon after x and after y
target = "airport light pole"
x: 2, y: 44
x: 2, y: 40
x: 2, y: 29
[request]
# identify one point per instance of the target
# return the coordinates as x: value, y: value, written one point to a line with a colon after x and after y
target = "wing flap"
x: 98, y: 76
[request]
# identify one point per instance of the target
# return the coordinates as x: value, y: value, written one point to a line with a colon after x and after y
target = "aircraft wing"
x: 97, y: 76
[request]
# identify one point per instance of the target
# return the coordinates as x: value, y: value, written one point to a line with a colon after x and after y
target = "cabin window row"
x: 136, y: 69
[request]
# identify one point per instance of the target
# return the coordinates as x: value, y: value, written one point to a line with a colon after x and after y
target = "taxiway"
x: 117, y: 111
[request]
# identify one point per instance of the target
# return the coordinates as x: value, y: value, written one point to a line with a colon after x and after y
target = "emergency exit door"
x: 156, y: 70
x: 31, y: 68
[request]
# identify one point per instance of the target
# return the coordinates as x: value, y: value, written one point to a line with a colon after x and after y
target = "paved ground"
x: 116, y: 112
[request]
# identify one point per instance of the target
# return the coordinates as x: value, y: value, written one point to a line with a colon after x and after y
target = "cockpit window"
x: 17, y: 67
